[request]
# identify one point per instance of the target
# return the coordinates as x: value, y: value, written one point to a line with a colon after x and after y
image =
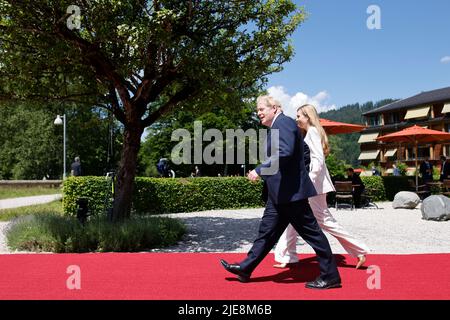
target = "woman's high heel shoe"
x: 361, y: 261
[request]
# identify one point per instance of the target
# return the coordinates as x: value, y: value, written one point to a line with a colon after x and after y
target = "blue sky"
x: 339, y: 61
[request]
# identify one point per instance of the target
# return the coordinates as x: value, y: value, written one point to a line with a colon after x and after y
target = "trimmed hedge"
x: 389, y: 187
x: 395, y: 184
x: 161, y: 195
x: 95, y: 189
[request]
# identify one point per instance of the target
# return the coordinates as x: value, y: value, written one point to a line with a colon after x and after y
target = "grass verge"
x: 54, y: 207
x: 59, y: 234
x: 13, y: 192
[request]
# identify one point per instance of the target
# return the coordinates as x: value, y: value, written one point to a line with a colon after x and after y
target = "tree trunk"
x: 127, y: 173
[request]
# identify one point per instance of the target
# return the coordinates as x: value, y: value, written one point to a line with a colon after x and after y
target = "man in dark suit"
x: 445, y: 168
x: 288, y: 190
x: 426, y: 170
x: 358, y: 186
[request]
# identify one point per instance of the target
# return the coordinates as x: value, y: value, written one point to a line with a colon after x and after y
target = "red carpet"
x: 199, y: 276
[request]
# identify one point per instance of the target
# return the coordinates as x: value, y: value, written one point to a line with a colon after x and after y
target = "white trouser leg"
x: 329, y: 224
x: 286, y: 248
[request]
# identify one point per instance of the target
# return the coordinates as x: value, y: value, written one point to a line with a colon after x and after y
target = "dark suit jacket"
x: 356, y: 180
x: 446, y: 173
x: 426, y: 170
x: 306, y: 158
x: 290, y: 181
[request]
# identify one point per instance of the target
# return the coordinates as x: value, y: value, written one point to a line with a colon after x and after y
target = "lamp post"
x: 59, y: 121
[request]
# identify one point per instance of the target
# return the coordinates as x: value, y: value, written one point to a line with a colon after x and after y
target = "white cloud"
x: 291, y: 103
x: 445, y: 59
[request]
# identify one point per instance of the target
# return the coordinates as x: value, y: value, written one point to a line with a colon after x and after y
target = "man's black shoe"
x: 236, y: 269
x: 323, y: 284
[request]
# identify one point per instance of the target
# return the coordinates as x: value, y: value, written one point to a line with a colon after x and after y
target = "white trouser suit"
x: 285, y: 250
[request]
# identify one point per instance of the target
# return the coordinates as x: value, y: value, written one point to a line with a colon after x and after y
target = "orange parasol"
x: 335, y: 127
x: 416, y: 134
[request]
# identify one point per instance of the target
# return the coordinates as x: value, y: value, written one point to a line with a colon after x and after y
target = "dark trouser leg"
x: 302, y: 219
x: 357, y: 198
x: 271, y: 228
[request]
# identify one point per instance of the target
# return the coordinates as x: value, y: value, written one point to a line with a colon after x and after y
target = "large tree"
x: 141, y: 58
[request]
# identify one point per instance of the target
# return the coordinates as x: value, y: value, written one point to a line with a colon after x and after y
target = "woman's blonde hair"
x: 310, y: 112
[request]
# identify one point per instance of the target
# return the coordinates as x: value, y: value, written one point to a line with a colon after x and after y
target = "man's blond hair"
x: 269, y: 101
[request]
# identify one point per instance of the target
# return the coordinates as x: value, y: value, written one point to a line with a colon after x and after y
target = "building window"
x: 446, y: 150
x: 374, y: 120
x: 423, y: 152
x: 393, y: 118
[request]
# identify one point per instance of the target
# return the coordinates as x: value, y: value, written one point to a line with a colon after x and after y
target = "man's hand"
x: 253, y: 176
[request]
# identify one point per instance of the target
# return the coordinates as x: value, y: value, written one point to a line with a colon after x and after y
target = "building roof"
x: 434, y: 96
x: 405, y: 124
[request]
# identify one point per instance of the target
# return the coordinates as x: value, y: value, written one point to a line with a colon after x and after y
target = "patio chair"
x: 422, y: 190
x: 366, y: 199
x: 344, y: 192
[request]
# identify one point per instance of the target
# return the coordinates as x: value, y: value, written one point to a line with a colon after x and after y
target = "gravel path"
x: 28, y: 201
x: 385, y: 231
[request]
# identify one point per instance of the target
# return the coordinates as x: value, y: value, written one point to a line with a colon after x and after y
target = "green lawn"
x: 54, y: 207
x: 13, y: 192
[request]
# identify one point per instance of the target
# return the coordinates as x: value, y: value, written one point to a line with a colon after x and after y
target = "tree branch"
x: 182, y: 95
x: 103, y: 67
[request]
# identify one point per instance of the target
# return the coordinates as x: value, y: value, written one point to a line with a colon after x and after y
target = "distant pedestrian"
x: 426, y: 170
x: 375, y: 171
x: 76, y: 167
x: 396, y: 170
x: 445, y: 168
x: 197, y: 172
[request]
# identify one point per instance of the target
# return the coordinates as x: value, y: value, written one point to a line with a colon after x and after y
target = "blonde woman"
x: 316, y: 139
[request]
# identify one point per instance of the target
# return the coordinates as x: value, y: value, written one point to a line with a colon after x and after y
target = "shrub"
x: 374, y: 187
x: 54, y: 233
x: 159, y: 195
x: 95, y: 189
x: 403, y: 167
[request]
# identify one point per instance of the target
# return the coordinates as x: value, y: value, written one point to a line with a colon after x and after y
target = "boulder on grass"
x: 436, y: 208
x: 406, y: 199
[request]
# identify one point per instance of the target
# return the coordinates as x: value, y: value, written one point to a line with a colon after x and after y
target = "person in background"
x: 445, y: 169
x: 396, y: 170
x: 375, y: 171
x: 426, y: 170
x: 76, y: 167
x: 358, y: 186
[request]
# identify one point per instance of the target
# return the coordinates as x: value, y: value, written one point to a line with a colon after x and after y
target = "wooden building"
x: 428, y: 109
